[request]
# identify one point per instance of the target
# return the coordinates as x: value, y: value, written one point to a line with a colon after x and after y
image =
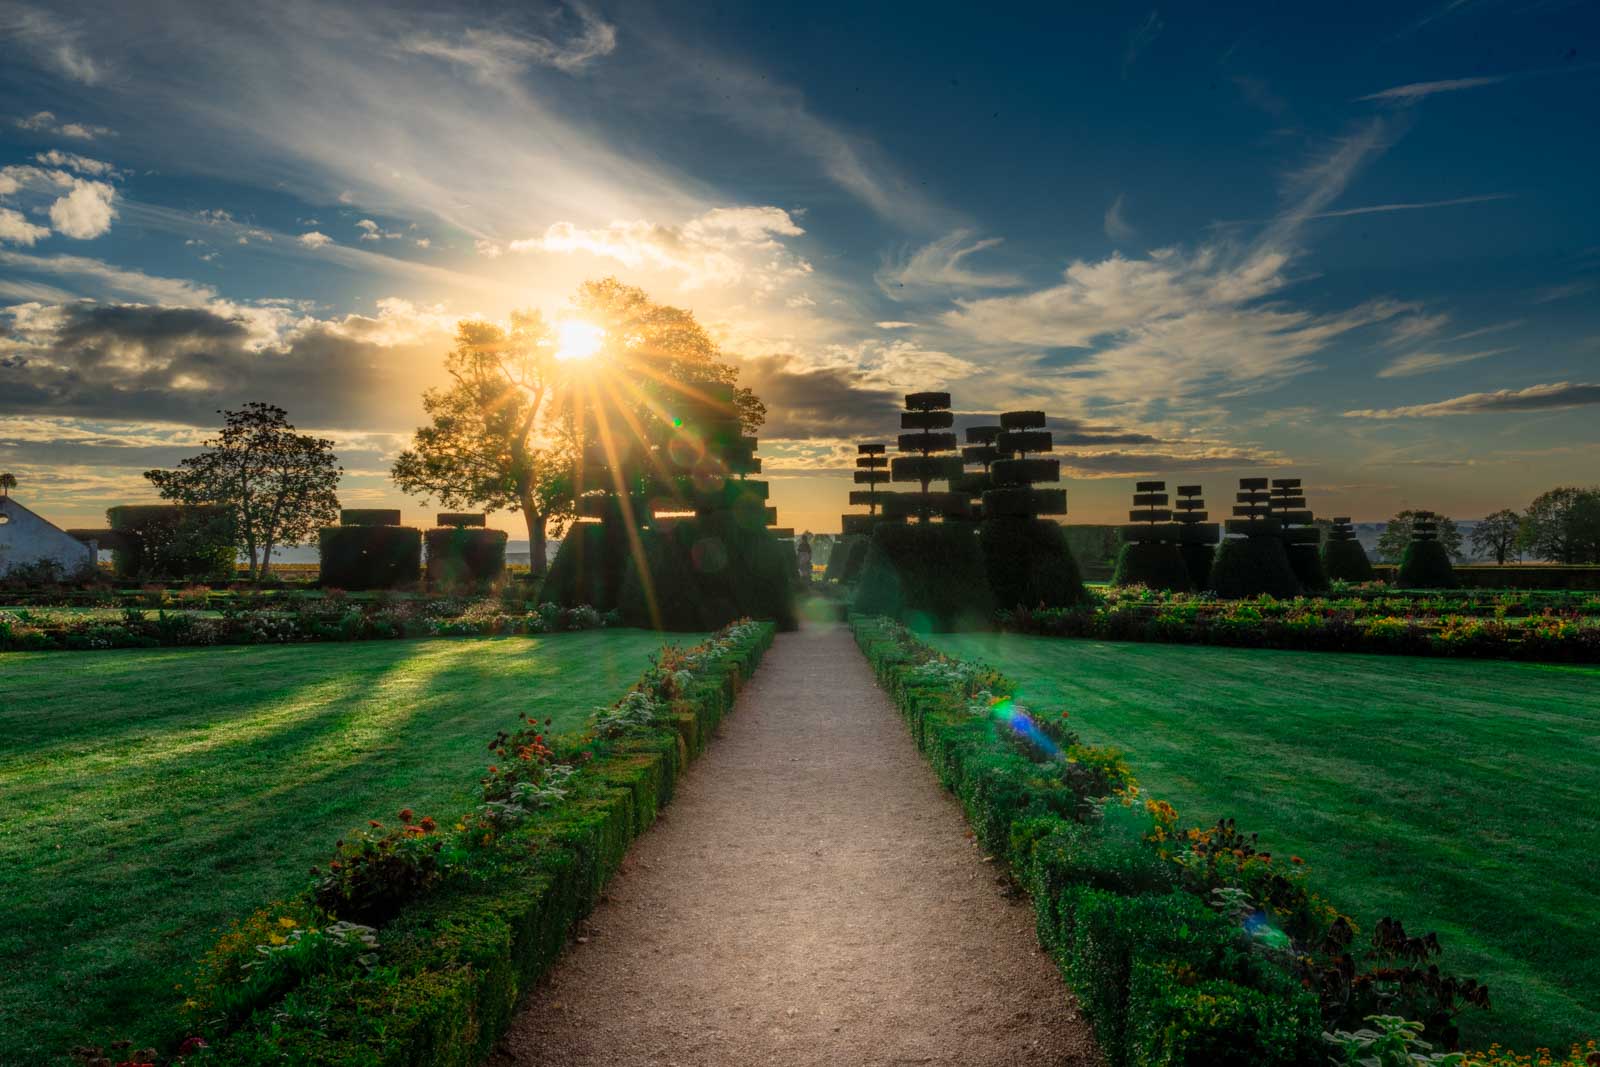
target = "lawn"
x: 151, y: 797
x: 1457, y: 796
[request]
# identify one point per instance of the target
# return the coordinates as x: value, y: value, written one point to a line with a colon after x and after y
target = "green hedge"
x: 588, y: 566
x: 1251, y: 566
x: 1306, y: 562
x: 454, y: 965
x: 1154, y: 564
x: 1346, y: 561
x: 1029, y: 562
x: 702, y: 573
x: 1197, y: 560
x: 465, y: 555
x: 1163, y: 978
x: 370, y: 557
x: 930, y: 575
x: 172, y: 541
x: 839, y: 558
x: 1425, y: 565
x: 369, y: 517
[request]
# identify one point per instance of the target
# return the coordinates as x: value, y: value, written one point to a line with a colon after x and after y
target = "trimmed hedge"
x: 928, y: 575
x: 1426, y: 565
x: 172, y: 541
x: 1306, y: 562
x: 1155, y: 564
x: 1197, y: 559
x: 589, y: 565
x: 1164, y: 979
x: 702, y: 573
x: 465, y: 554
x: 1346, y: 561
x: 453, y: 965
x: 1253, y: 566
x: 369, y: 517
x: 370, y: 557
x: 839, y: 558
x: 1029, y: 562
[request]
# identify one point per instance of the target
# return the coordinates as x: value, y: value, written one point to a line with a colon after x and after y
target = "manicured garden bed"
x: 153, y: 797
x: 1457, y: 797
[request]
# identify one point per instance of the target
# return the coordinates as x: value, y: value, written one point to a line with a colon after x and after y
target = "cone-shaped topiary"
x: 1426, y: 563
x: 929, y: 576
x: 1343, y: 558
x: 1149, y: 555
x: 703, y: 572
x: 1197, y: 538
x: 1253, y: 561
x: 1029, y: 564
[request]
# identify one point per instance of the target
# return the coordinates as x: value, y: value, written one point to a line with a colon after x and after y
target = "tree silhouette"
x: 8, y: 482
x: 1497, y: 534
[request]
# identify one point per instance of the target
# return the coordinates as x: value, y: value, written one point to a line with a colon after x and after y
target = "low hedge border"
x: 458, y: 923
x: 1183, y: 946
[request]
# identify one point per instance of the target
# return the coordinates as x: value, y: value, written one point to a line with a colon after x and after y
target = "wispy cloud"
x: 1552, y: 397
x: 53, y: 42
x: 1142, y: 37
x: 1421, y: 205
x: 1410, y: 93
x: 498, y: 55
x: 1564, y: 292
x: 941, y: 265
x: 1415, y: 363
x: 1116, y: 224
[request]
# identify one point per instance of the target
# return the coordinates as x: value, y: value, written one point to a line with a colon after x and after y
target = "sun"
x: 578, y: 340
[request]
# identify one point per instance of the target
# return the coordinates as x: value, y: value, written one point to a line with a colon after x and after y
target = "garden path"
x: 812, y: 896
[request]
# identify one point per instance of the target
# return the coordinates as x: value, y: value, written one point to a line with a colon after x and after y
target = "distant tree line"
x: 1560, y: 526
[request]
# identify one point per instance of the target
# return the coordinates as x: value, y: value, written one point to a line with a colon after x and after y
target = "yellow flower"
x: 278, y: 939
x: 287, y: 923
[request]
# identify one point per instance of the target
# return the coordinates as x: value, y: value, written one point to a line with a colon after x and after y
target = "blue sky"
x: 1358, y: 244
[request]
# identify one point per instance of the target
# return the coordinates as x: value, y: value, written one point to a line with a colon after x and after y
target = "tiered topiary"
x: 462, y: 552
x: 1343, y: 558
x: 370, y: 550
x: 691, y: 528
x: 1197, y: 538
x: 926, y: 574
x: 850, y: 551
x: 1252, y: 560
x: 981, y: 449
x: 1150, y: 555
x: 1026, y: 556
x: 1300, y: 536
x: 1426, y: 563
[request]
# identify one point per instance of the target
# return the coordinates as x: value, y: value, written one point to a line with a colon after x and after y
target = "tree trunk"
x: 536, y: 542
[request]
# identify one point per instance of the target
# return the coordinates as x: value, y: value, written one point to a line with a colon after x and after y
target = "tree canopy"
x: 1397, y: 535
x: 1563, y: 526
x: 279, y: 485
x: 1497, y: 534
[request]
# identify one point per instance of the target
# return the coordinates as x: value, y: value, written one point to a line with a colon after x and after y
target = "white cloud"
x: 939, y: 265
x: 1406, y: 94
x: 1552, y: 397
x: 314, y: 239
x: 488, y: 249
x: 1409, y: 328
x: 86, y: 212
x: 496, y: 56
x: 1414, y: 363
x: 897, y: 365
x: 1563, y: 292
x: 894, y: 324
x: 45, y: 122
x: 423, y: 242
x: 371, y: 231
x: 72, y: 161
x: 724, y: 246
x: 1116, y: 226
x: 52, y: 43
x: 18, y: 230
x: 106, y: 279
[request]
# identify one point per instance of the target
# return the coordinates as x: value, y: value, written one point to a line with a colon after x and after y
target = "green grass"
x: 1457, y: 796
x: 148, y: 798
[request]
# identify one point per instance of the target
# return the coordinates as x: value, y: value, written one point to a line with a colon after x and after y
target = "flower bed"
x: 1544, y: 627
x: 51, y: 630
x: 414, y: 942
x: 1183, y: 945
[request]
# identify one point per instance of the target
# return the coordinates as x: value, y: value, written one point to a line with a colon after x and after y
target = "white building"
x: 27, y: 539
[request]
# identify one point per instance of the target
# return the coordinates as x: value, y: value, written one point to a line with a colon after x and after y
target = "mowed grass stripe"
x: 151, y: 797
x: 1458, y: 796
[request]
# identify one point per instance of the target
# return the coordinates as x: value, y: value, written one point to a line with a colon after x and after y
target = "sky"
x: 1358, y: 243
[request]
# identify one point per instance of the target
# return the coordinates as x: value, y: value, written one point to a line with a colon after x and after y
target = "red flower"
x: 405, y: 815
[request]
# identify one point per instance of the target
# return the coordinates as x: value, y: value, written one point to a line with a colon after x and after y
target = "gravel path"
x: 810, y: 897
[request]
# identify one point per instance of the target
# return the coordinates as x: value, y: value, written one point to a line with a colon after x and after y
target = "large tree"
x: 1397, y: 535
x: 493, y: 440
x: 1563, y: 526
x: 1497, y: 534
x: 280, y: 486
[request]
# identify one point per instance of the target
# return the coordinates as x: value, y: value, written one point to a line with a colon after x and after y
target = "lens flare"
x: 578, y: 340
x: 1016, y: 716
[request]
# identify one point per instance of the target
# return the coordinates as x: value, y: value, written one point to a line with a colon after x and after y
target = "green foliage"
x: 1178, y: 1018
x: 1306, y: 562
x: 1153, y: 564
x: 701, y: 573
x: 172, y: 541
x: 588, y: 567
x: 1498, y: 534
x: 1029, y: 562
x: 370, y: 557
x: 1253, y: 566
x: 1396, y: 536
x: 839, y: 557
x: 1197, y: 559
x: 1563, y: 526
x: 464, y: 555
x: 856, y: 560
x: 1346, y: 561
x: 1426, y: 565
x: 276, y: 485
x: 930, y: 576
x: 369, y: 516
x: 1389, y: 1041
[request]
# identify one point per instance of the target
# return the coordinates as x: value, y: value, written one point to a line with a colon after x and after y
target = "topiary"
x: 1156, y: 564
x: 1197, y: 560
x: 465, y: 554
x: 1426, y: 565
x: 1346, y: 561
x: 1306, y: 562
x: 929, y: 576
x: 705, y: 572
x: 1252, y: 566
x: 369, y: 557
x: 1029, y: 564
x: 588, y: 566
